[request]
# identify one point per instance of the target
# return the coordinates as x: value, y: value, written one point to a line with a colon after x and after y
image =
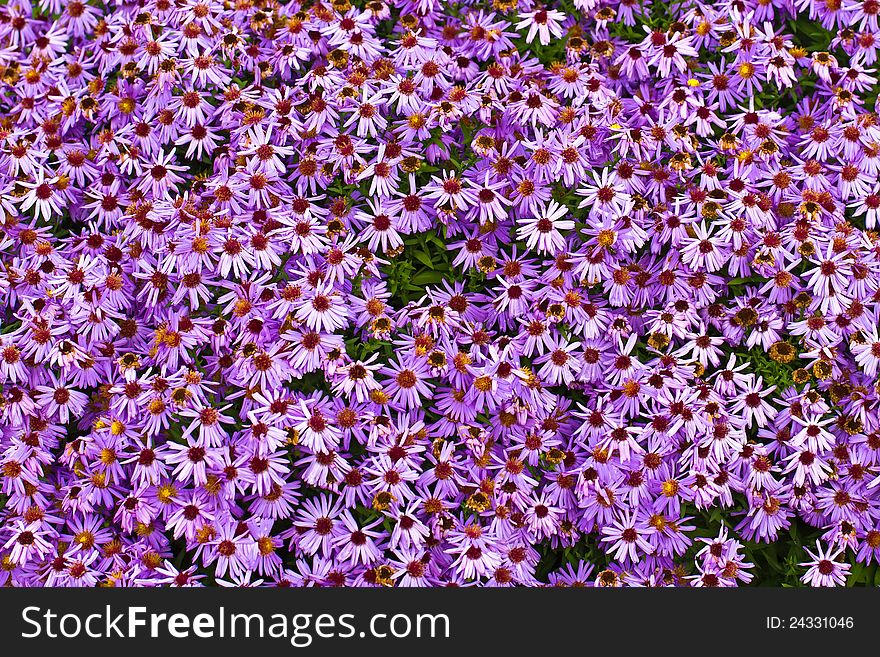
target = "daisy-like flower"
x: 867, y: 352
x: 264, y: 151
x: 207, y: 424
x: 491, y: 204
x: 560, y: 364
x: 27, y: 542
x: 318, y: 524
x: 628, y: 538
x: 367, y: 114
x: 408, y: 382
x: 193, y: 462
x: 43, y: 196
x: 357, y: 379
x: 450, y: 190
x: 752, y: 405
x: 315, y: 429
x: 358, y: 545
x: 543, y: 23
x: 542, y: 231
x: 606, y: 195
x: 160, y: 179
x: 823, y: 569
x: 61, y: 401
x: 234, y: 553
x: 323, y: 310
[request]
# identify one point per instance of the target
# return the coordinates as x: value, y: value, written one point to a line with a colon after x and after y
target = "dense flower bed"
x: 423, y: 293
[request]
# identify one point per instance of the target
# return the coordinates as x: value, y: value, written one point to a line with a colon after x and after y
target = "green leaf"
x: 424, y: 258
x: 426, y: 278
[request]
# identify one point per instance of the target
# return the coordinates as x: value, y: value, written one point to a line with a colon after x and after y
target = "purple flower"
x: 823, y: 569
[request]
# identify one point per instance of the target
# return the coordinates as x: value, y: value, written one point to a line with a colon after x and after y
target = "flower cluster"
x: 421, y: 293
